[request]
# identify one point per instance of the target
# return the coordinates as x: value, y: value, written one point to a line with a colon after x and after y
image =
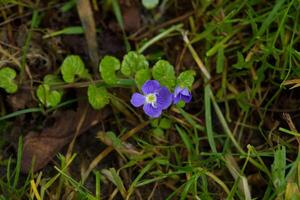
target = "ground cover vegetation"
x: 169, y: 99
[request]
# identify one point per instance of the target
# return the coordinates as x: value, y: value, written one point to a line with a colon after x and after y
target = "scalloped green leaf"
x: 7, y: 82
x: 164, y: 72
x: 48, y: 97
x: 52, y: 79
x: 98, y: 96
x: 73, y: 66
x: 133, y: 62
x: 186, y: 79
x: 142, y: 76
x: 107, y: 67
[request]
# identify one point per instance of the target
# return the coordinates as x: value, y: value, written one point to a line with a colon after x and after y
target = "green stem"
x: 120, y: 83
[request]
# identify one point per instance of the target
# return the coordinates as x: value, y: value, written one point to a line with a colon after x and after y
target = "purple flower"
x: 182, y: 94
x: 154, y: 98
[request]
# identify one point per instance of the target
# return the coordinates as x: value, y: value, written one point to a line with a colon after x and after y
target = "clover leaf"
x: 142, y: 76
x: 186, y: 79
x: 7, y: 82
x: 164, y: 72
x: 98, y: 96
x: 47, y: 96
x: 73, y: 66
x: 133, y: 62
x: 107, y: 67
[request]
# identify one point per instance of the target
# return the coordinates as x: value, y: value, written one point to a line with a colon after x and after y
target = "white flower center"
x: 151, y: 99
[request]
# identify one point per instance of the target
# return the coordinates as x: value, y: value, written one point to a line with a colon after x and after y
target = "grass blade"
x: 208, y: 120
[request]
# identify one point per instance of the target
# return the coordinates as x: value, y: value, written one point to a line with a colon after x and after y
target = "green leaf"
x: 154, y: 122
x: 150, y: 4
x: 116, y: 142
x: 98, y: 96
x: 164, y: 72
x: 241, y: 63
x: 142, y: 76
x: 220, y: 60
x: 47, y: 97
x: 158, y: 132
x: 278, y: 169
x: 242, y: 101
x: 165, y: 123
x: 185, y: 138
x: 180, y: 104
x: 7, y: 82
x: 186, y: 79
x: 108, y: 66
x: 52, y: 79
x: 133, y: 62
x: 73, y: 66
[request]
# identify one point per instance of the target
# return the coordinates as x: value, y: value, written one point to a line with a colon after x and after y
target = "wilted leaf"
x: 107, y: 68
x: 109, y: 138
x: 186, y: 79
x: 73, y: 66
x: 7, y: 82
x: 133, y: 62
x: 40, y: 147
x: 98, y: 96
x: 164, y: 72
x: 142, y: 76
x: 114, y: 177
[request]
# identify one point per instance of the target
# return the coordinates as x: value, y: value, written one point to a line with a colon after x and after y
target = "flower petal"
x: 177, y: 91
x: 137, y: 100
x: 176, y: 99
x: 151, y: 111
x: 150, y: 86
x: 185, y: 92
x: 185, y: 98
x: 164, y: 98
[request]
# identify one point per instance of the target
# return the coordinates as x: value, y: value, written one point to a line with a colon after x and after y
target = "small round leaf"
x: 142, y: 76
x: 186, y: 79
x: 7, y: 82
x: 47, y: 97
x: 133, y: 62
x: 150, y: 4
x: 72, y: 66
x: 108, y: 66
x: 165, y: 123
x: 52, y: 79
x: 164, y: 72
x: 98, y: 96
